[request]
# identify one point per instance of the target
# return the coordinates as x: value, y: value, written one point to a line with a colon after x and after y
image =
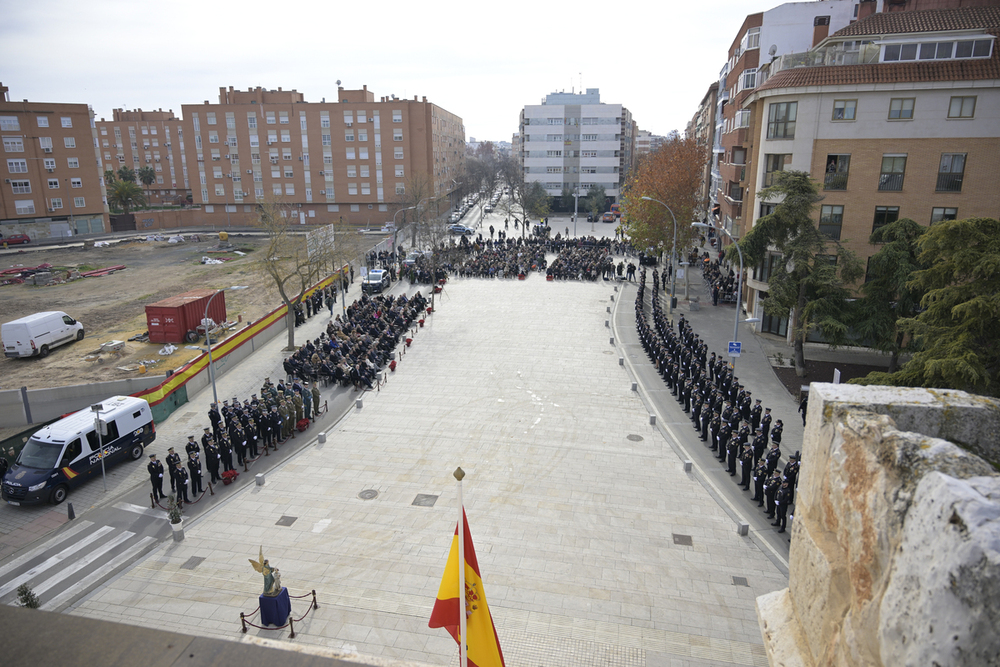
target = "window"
x: 884, y: 215
x: 735, y: 191
x: 397, y: 153
x: 364, y: 171
x: 978, y: 48
x: 553, y: 153
x: 79, y: 202
x: 831, y: 219
x: 53, y: 184
x: 45, y: 143
x: 350, y: 154
x: 286, y: 136
x: 10, y: 124
x: 397, y: 134
x: 220, y: 190
x: 283, y: 117
x: 962, y: 107
x: 276, y: 188
x: 324, y: 119
x: 56, y: 203
x: 289, y: 188
x: 837, y: 167
x: 325, y: 139
x: 17, y: 166
x: 844, y: 109
x: 210, y: 118
x: 76, y: 182
x: 362, y: 135
x: 893, y: 168
x: 21, y: 187
x: 781, y: 120
x: 286, y: 154
x: 270, y: 118
x: 66, y: 121
x: 43, y: 121
x: 352, y: 188
x: 24, y: 207
x: 739, y: 155
x: 400, y: 171
x: 400, y: 189
x: 13, y: 145
x: 69, y: 142
x: 553, y: 170
x: 366, y: 188
x: 773, y: 163
x: 588, y: 137
x: 252, y: 120
x: 275, y: 172
x: 939, y: 214
x: 213, y: 137
x: 950, y: 172
x: 901, y: 108
x: 352, y: 171
x: 348, y: 135
x: 327, y: 158
x: 397, y: 116
x: 936, y: 50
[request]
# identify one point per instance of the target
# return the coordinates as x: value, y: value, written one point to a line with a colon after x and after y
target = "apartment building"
x: 702, y: 129
x: 349, y: 159
x: 153, y: 139
x: 646, y: 142
x: 789, y: 28
x: 573, y: 141
x: 895, y: 116
x: 52, y: 182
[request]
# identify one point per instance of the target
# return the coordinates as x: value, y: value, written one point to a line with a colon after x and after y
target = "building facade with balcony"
x: 788, y: 28
x: 350, y: 159
x: 153, y: 139
x: 702, y: 128
x: 895, y: 116
x: 53, y: 185
x: 573, y: 141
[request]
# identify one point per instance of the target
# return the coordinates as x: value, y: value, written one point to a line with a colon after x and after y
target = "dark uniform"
x: 194, y: 466
x: 191, y: 446
x: 172, y: 460
x: 755, y: 415
x: 212, y: 460
x: 181, y: 479
x: 759, y: 478
x: 782, y: 500
x: 771, y: 487
x: 226, y: 454
x: 155, y: 469
x: 746, y: 466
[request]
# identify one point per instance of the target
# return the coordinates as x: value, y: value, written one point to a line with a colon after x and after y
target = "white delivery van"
x: 68, y: 452
x: 36, y: 334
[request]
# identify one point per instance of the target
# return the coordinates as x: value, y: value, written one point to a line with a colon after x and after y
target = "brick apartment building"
x: 349, y: 159
x: 52, y: 179
x: 153, y: 139
x: 895, y: 116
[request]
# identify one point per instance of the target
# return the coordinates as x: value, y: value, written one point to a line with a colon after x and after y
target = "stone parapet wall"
x: 895, y: 556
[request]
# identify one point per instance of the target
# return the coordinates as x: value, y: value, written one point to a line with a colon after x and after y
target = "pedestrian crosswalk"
x: 68, y: 565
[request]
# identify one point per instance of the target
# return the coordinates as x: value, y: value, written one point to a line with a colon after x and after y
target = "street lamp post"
x: 208, y: 338
x: 97, y: 408
x: 739, y: 282
x: 673, y: 255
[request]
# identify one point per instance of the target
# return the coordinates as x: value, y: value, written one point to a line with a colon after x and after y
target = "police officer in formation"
x: 155, y: 469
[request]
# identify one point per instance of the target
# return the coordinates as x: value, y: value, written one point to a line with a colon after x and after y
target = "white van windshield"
x: 37, y: 454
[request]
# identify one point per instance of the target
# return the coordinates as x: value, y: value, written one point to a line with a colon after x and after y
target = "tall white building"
x: 574, y: 141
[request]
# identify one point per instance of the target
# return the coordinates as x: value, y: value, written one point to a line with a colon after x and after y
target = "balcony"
x: 949, y: 182
x: 890, y: 182
x: 837, y: 182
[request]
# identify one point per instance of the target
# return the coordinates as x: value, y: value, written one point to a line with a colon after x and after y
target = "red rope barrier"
x: 244, y: 622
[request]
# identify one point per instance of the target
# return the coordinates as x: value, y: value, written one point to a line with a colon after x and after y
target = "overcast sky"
x: 481, y: 61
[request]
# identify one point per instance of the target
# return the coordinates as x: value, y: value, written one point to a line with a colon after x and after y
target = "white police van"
x: 68, y: 452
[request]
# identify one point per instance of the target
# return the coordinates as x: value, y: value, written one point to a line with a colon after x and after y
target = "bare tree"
x: 286, y: 260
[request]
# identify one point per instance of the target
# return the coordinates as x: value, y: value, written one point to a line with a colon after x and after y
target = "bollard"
x: 259, y: 478
x: 612, y: 297
x: 616, y: 288
x: 607, y: 324
x: 69, y: 511
x: 688, y: 465
x: 652, y: 420
x: 635, y: 385
x: 322, y: 438
x: 609, y: 309
x: 359, y: 404
x: 621, y: 361
x: 612, y: 341
x: 743, y: 528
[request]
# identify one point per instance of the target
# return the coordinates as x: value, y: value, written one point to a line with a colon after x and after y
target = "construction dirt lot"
x: 112, y: 307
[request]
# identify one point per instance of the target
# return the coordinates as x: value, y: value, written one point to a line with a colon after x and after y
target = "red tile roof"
x: 928, y: 20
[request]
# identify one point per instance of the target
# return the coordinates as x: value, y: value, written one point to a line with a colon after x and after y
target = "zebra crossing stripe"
x: 54, y: 560
x: 78, y: 588
x: 82, y: 562
x: 34, y: 553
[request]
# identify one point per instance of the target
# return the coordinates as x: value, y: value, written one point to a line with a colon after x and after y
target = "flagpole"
x: 463, y: 644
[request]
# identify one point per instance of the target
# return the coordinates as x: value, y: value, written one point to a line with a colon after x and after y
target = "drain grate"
x: 286, y: 520
x: 741, y: 581
x: 424, y: 500
x: 368, y: 494
x: 683, y: 540
x: 192, y: 562
x: 634, y: 437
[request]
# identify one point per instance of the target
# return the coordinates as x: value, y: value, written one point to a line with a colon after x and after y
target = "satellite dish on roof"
x: 771, y: 51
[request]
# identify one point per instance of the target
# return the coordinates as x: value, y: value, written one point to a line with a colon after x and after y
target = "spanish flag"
x: 482, y: 644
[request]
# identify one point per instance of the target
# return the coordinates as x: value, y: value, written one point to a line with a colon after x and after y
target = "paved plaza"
x: 595, y: 546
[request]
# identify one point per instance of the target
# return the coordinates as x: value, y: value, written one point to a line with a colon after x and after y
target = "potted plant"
x: 229, y: 476
x: 175, y: 518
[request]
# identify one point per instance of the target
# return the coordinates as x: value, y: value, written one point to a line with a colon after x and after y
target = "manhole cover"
x: 192, y: 562
x: 424, y: 500
x: 368, y: 494
x: 634, y: 437
x: 286, y: 520
x: 683, y: 540
x: 740, y: 581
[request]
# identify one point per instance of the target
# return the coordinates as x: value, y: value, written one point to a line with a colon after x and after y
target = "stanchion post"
x: 152, y: 502
x: 315, y: 606
x: 291, y: 626
x: 210, y: 491
x: 243, y: 622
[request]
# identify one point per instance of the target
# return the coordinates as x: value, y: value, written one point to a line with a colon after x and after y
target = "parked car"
x: 15, y: 239
x: 461, y: 229
x: 608, y: 217
x: 376, y: 282
x: 34, y: 335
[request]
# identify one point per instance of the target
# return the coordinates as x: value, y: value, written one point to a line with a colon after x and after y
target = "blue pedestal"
x: 275, y: 610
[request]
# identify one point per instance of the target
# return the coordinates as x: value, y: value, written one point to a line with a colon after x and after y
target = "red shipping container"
x: 176, y: 319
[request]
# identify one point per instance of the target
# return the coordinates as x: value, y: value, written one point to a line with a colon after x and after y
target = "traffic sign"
x: 734, y: 348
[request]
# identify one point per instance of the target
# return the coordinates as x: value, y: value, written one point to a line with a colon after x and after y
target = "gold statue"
x: 272, y: 578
